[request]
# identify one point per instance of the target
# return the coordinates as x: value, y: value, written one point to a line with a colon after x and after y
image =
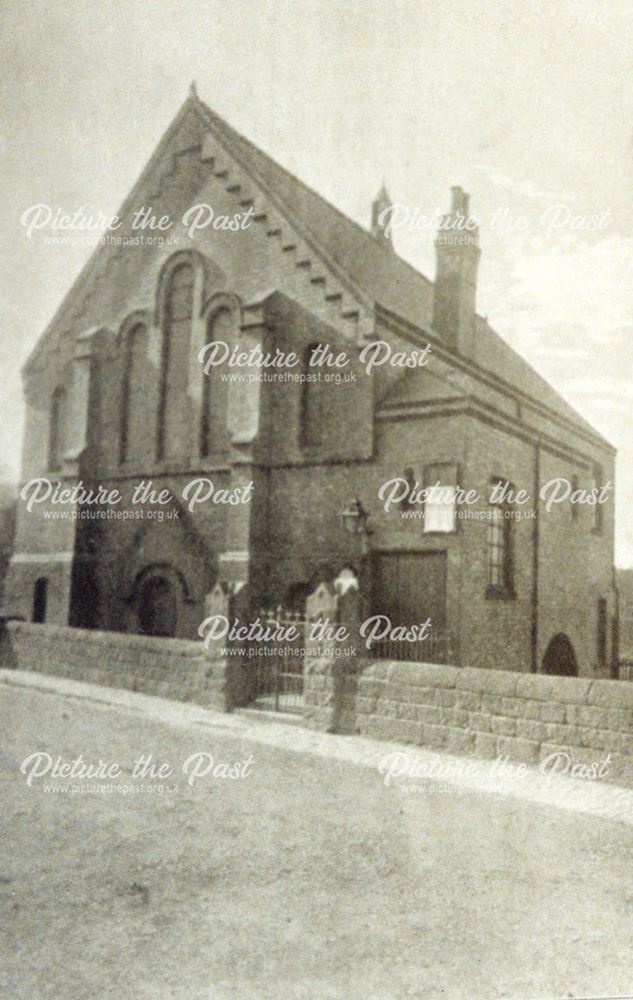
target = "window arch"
x: 311, y: 403
x: 56, y: 429
x: 213, y: 416
x: 560, y: 657
x: 174, y: 365
x: 133, y: 394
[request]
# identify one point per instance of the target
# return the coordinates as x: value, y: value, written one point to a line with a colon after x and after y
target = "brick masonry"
x: 475, y: 411
x: 489, y: 714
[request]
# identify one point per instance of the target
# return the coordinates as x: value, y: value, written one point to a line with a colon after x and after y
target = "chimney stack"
x: 381, y: 202
x: 457, y: 252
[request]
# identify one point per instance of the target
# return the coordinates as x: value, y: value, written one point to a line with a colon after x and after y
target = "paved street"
x: 304, y: 878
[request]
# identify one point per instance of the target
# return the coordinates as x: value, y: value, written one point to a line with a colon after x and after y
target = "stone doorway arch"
x: 157, y: 607
x: 560, y: 658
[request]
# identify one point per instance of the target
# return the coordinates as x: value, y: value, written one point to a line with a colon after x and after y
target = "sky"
x: 526, y: 104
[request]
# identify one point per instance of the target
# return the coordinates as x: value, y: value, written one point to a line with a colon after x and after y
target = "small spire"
x: 381, y: 203
x: 192, y: 90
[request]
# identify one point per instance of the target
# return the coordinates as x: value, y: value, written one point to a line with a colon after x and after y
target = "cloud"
x: 569, y: 311
x: 566, y: 354
x: 521, y: 188
x: 602, y: 405
x: 604, y: 386
x: 584, y: 290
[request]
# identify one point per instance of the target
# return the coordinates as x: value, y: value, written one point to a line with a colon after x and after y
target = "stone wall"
x: 496, y: 713
x: 525, y: 717
x: 171, y: 668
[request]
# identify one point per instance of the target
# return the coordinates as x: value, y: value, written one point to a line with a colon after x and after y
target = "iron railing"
x: 437, y: 648
x: 277, y: 665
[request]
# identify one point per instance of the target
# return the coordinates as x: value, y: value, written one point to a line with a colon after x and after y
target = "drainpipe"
x: 615, y: 629
x: 535, y: 559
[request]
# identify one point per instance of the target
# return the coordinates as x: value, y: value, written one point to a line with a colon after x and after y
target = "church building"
x: 252, y: 473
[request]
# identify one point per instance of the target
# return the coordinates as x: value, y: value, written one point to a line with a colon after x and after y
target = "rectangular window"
x: 602, y: 631
x: 310, y: 403
x: 596, y: 484
x: 500, y: 544
x: 56, y: 429
x: 574, y: 506
x: 440, y: 506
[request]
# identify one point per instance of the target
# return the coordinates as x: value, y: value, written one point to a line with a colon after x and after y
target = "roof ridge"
x: 232, y: 136
x: 235, y: 135
x: 372, y: 275
x: 232, y: 141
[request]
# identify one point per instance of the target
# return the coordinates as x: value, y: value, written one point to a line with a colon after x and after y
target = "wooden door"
x: 410, y: 587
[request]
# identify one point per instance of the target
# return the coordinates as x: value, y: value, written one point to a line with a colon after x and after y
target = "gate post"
x: 330, y: 673
x: 226, y: 674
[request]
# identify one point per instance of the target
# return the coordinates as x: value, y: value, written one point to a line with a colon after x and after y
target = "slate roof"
x: 373, y: 268
x: 379, y: 272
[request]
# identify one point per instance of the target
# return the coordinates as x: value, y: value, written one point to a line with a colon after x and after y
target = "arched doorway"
x: 560, y: 658
x: 40, y: 597
x: 157, y: 608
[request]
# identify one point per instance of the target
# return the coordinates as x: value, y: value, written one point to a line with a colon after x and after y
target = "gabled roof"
x: 384, y: 276
x: 372, y: 267
x: 378, y: 271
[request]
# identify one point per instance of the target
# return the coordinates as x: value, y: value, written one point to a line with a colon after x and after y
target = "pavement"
x: 238, y: 856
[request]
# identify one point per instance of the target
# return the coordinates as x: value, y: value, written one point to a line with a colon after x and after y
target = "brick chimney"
x: 379, y: 204
x: 457, y: 250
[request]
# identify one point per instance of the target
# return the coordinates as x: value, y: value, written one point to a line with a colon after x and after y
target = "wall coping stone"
x: 423, y: 674
x: 174, y: 647
x: 488, y: 681
x: 545, y: 687
x: 611, y: 693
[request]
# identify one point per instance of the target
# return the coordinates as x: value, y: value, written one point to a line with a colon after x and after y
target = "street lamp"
x: 355, y: 518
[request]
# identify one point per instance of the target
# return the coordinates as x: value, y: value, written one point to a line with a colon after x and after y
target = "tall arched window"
x: 56, y: 429
x: 40, y: 595
x: 214, y: 390
x: 311, y: 403
x: 500, y: 543
x: 173, y: 417
x: 133, y: 394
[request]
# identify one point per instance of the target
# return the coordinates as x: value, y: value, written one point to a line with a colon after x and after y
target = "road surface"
x: 304, y: 877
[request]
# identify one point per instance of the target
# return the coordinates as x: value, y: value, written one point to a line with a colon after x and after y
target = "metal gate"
x: 277, y: 680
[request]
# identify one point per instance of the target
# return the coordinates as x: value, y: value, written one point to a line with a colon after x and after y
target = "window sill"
x: 144, y: 469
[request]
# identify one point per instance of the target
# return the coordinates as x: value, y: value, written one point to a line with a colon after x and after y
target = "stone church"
x: 116, y: 395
